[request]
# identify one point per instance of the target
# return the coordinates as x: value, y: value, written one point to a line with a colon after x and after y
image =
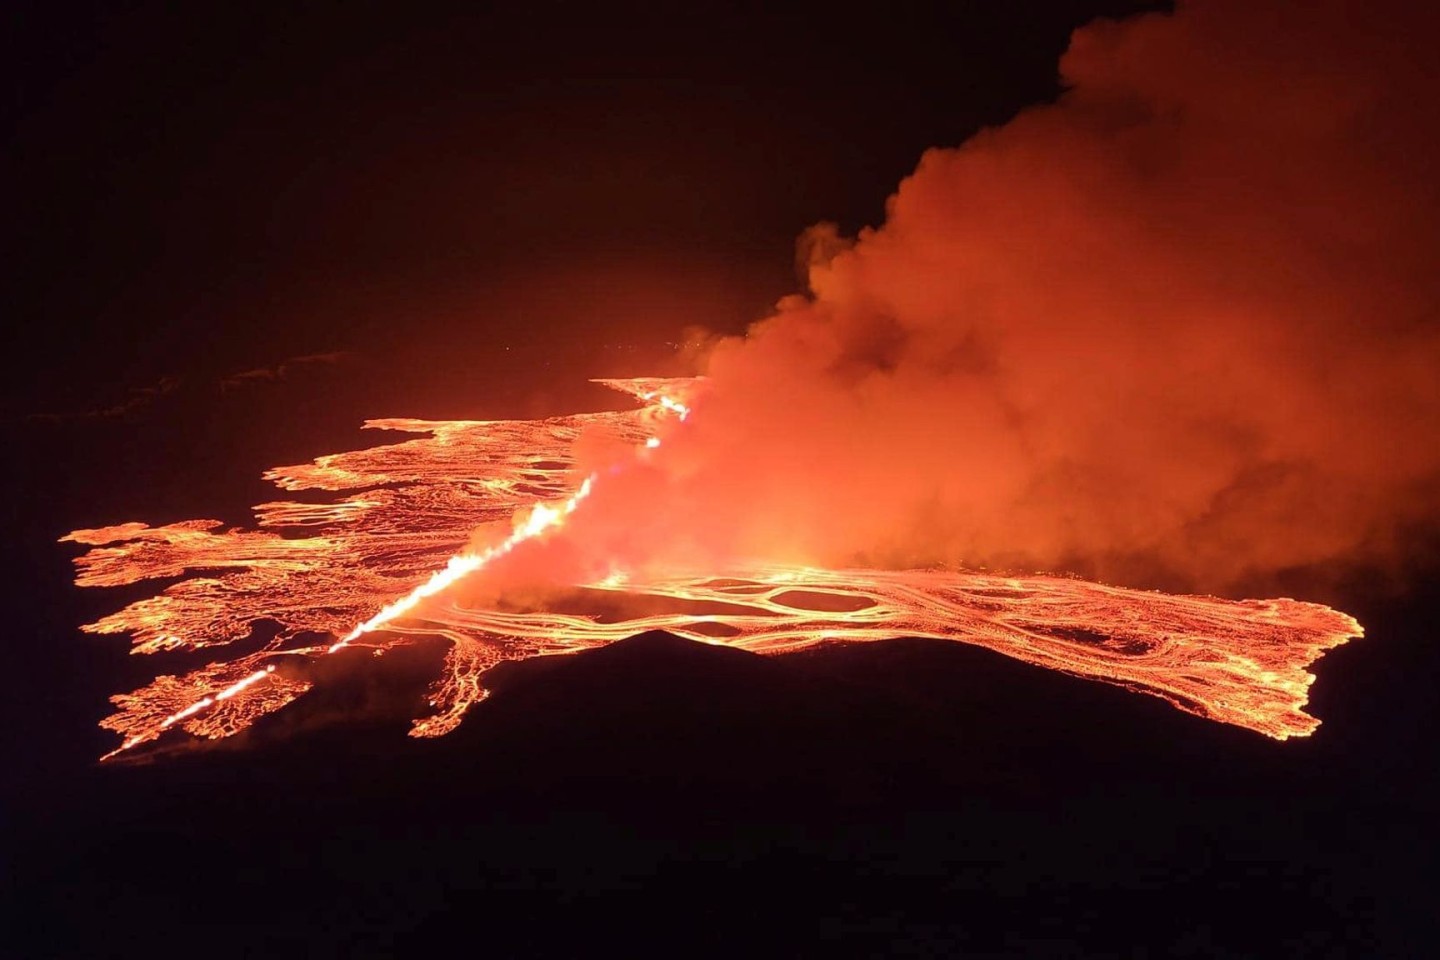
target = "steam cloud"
x: 1176, y: 329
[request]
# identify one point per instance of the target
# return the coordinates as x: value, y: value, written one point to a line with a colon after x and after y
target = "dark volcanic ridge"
x: 657, y: 785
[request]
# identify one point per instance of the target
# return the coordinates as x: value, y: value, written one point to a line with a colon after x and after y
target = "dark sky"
x: 200, y: 190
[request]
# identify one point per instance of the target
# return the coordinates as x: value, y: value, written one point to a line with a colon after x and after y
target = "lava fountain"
x: 373, y: 567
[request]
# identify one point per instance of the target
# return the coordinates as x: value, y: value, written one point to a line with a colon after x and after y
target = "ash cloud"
x: 1176, y: 329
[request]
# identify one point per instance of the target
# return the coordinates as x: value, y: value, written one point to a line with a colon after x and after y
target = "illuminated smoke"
x: 1178, y: 328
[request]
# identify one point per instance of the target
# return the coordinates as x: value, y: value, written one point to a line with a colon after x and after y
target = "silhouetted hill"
x: 692, y: 798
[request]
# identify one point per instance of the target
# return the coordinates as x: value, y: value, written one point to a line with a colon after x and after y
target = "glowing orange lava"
x: 357, y: 570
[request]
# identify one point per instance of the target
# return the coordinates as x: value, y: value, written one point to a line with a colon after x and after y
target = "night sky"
x: 232, y: 235
x: 203, y: 188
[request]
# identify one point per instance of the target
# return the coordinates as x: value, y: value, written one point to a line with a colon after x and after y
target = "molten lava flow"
x: 362, y: 567
x: 541, y: 518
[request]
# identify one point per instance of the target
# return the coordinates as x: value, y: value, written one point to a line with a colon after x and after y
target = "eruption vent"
x: 359, y: 571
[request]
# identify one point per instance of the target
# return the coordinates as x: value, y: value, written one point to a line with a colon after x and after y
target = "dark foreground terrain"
x: 660, y: 797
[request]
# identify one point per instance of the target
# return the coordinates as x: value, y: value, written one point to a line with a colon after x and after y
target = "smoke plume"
x: 1176, y: 328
